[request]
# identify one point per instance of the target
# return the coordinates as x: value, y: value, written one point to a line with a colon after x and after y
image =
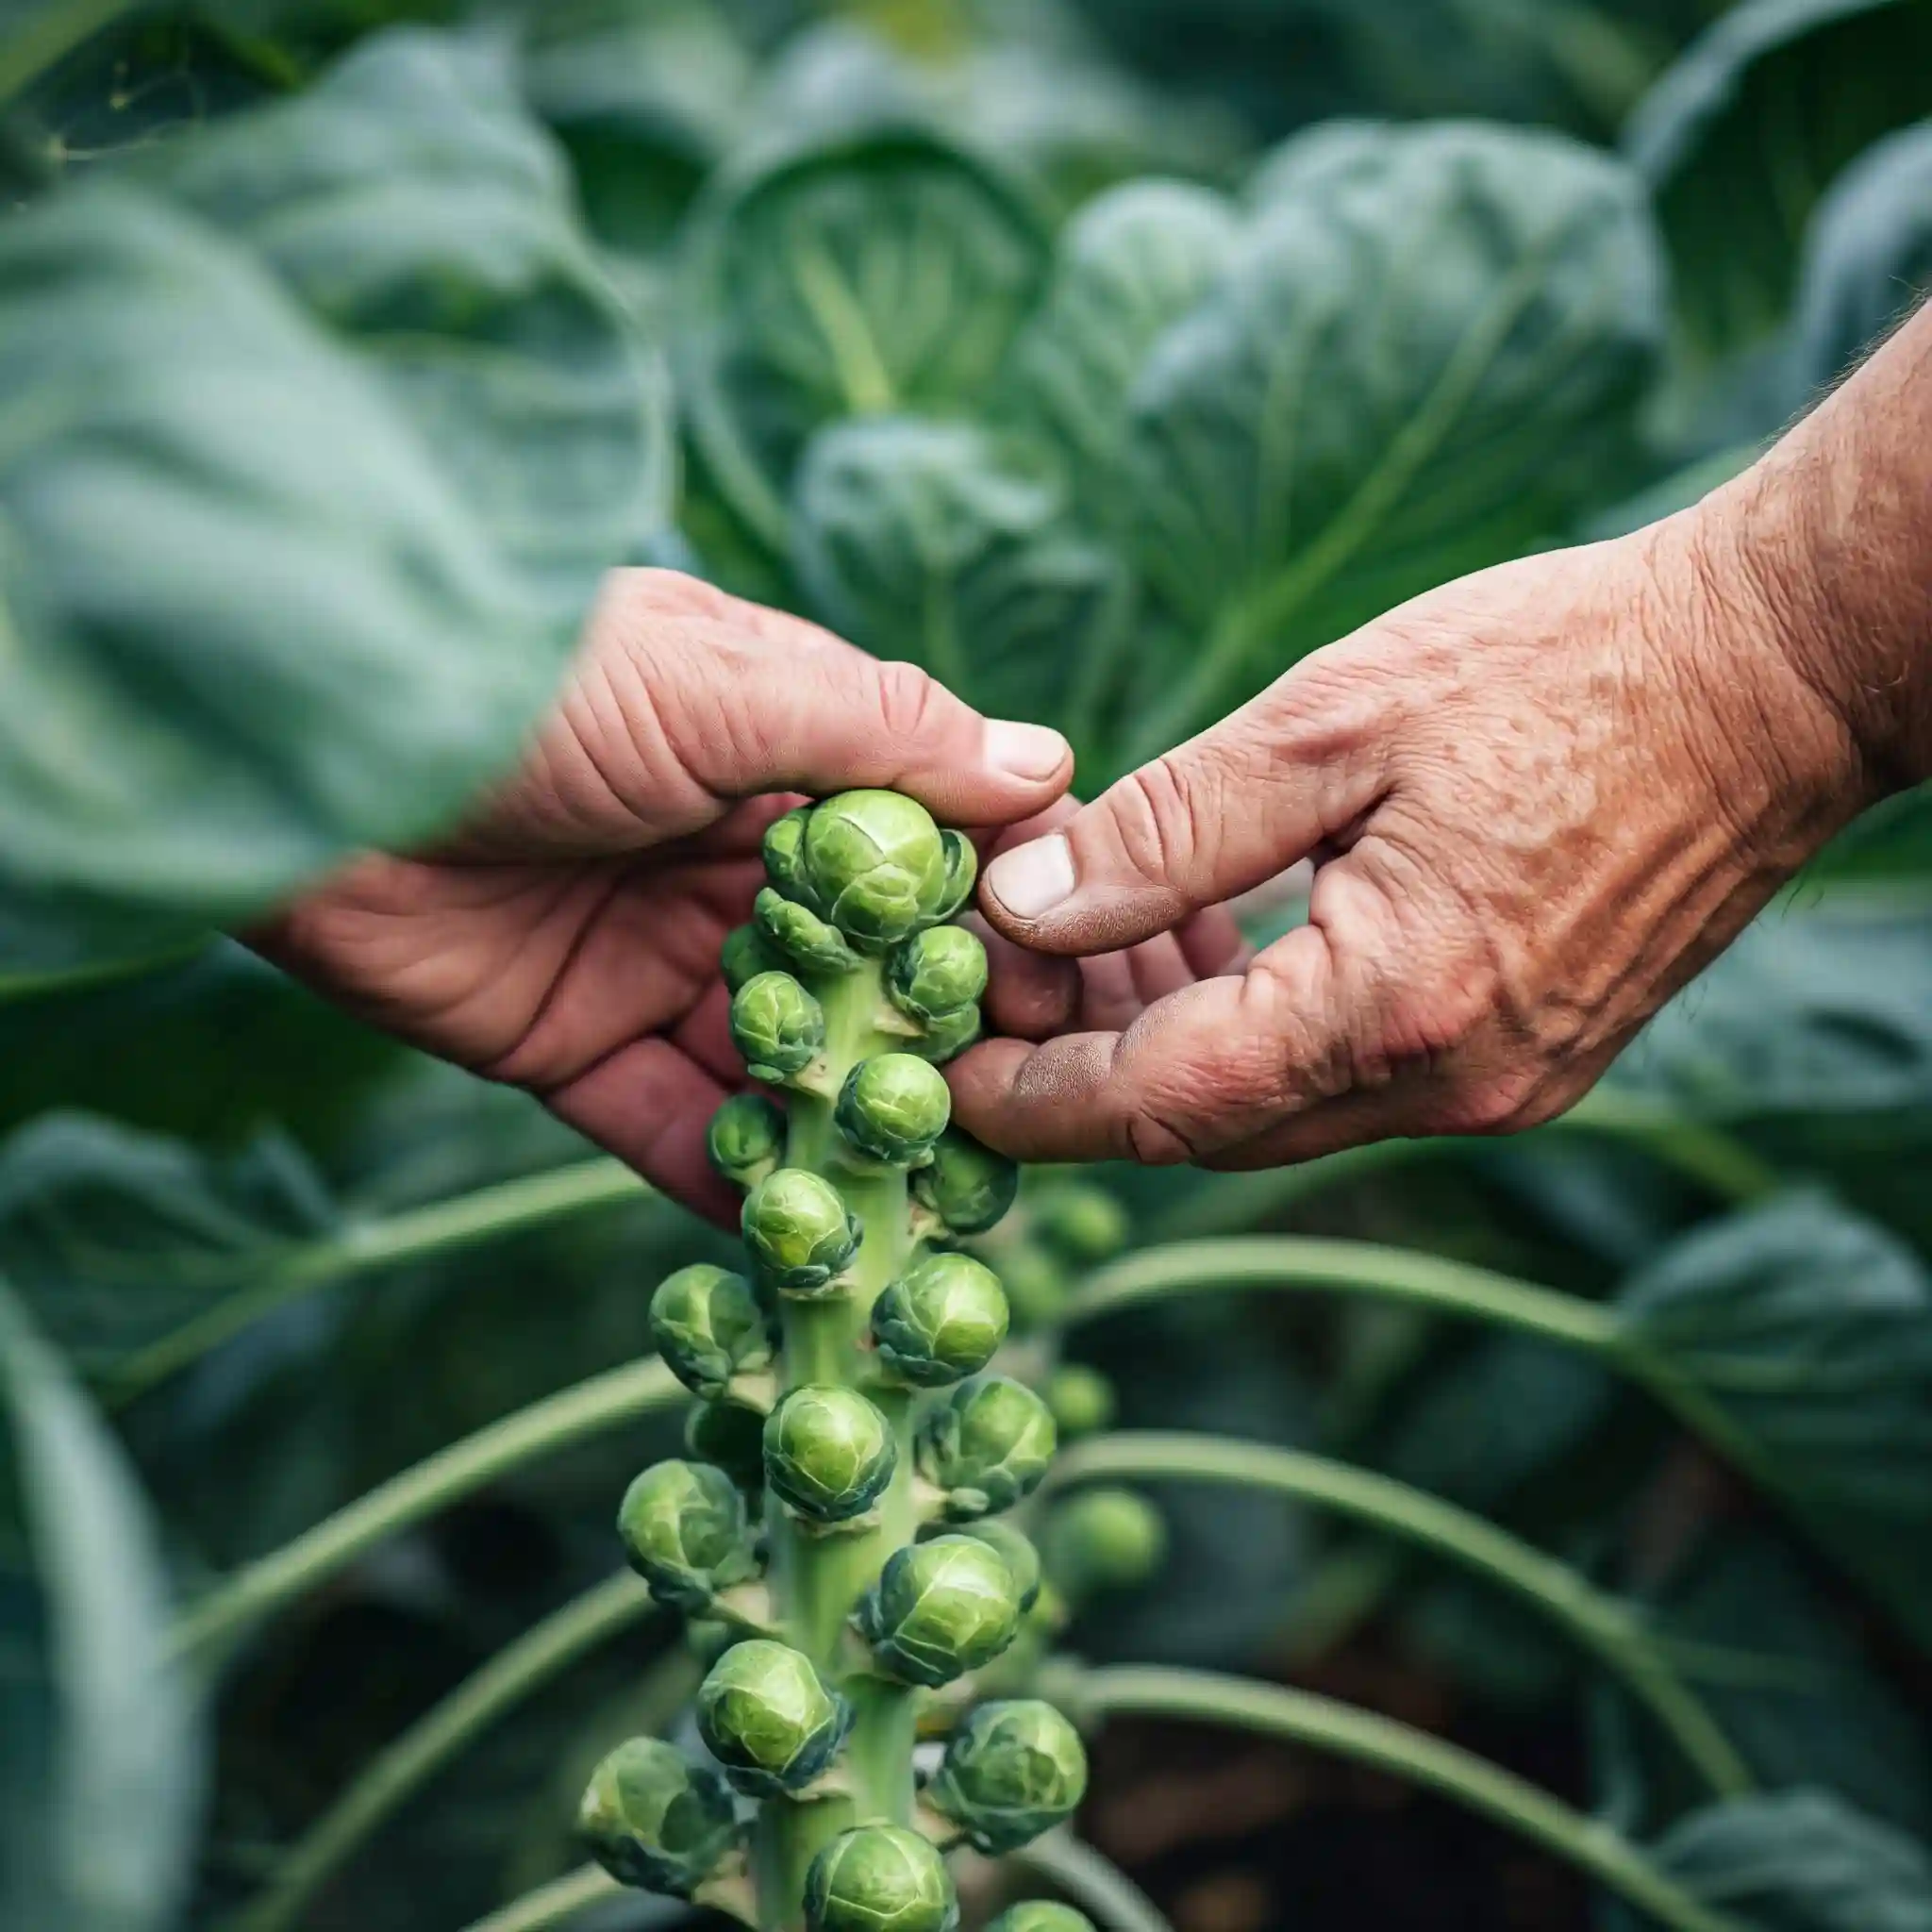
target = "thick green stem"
x: 1599, y: 1623
x: 1367, y: 1737
x: 1094, y: 1884
x: 552, y: 1904
x: 546, y: 1427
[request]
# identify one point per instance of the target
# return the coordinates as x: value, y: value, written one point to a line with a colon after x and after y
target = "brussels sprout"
x: 1015, y: 1550
x: 948, y: 1036
x: 777, y: 1026
x: 1039, y: 1915
x: 784, y: 852
x: 653, y: 1818
x: 745, y: 953
x: 1012, y: 1770
x: 1036, y: 1287
x: 940, y: 1609
x: 1081, y: 1399
x: 879, y: 1878
x: 709, y: 1327
x: 746, y: 1138
x: 1083, y: 1223
x: 799, y: 1231
x: 965, y: 1187
x: 893, y: 1106
x: 731, y: 1436
x: 768, y: 1717
x: 962, y: 870
x: 986, y: 1446
x: 935, y: 972
x: 944, y: 1319
x: 878, y: 865
x: 1101, y: 1540
x: 801, y: 936
x: 829, y: 1452
x: 685, y: 1532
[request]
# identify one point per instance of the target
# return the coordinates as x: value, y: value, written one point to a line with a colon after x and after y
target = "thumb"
x: 1213, y: 818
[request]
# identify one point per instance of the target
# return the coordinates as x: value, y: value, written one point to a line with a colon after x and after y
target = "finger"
x: 705, y: 1034
x: 1158, y: 967
x: 1028, y: 995
x: 1210, y: 819
x: 1212, y: 943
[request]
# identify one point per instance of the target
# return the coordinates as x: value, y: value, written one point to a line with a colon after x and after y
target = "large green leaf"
x: 1802, y: 1861
x: 1797, y: 1337
x: 100, y: 1776
x: 1740, y: 139
x: 867, y: 275
x: 1427, y: 356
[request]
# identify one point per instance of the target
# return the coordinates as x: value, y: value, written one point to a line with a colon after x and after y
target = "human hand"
x: 1538, y: 801
x: 567, y: 940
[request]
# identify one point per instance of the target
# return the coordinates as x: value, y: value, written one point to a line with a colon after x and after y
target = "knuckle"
x: 1501, y: 1101
x: 910, y: 705
x: 1157, y: 816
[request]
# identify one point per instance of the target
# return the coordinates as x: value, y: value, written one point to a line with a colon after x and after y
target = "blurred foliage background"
x: 1105, y: 358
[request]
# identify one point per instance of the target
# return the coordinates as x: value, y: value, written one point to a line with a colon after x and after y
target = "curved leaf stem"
x: 404, y: 1766
x: 1095, y: 1883
x: 572, y: 1415
x: 49, y: 36
x: 1598, y: 1622
x: 1367, y: 1737
x: 551, y: 1904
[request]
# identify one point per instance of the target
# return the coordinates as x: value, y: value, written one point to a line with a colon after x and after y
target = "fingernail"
x: 1032, y: 880
x: 1026, y: 751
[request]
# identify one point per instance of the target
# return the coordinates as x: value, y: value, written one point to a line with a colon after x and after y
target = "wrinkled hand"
x: 1537, y: 800
x: 567, y: 941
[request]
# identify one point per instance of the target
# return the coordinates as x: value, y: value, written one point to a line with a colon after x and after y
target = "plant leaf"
x: 100, y: 1782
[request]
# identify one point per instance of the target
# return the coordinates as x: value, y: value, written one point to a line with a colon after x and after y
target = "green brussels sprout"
x: 1012, y: 1770
x: 1082, y: 1399
x: 768, y: 1717
x: 948, y: 1036
x: 962, y: 871
x: 1081, y: 1222
x: 878, y: 865
x: 731, y: 1436
x: 709, y: 1326
x: 935, y: 972
x: 746, y: 1138
x: 944, y: 1319
x: 799, y: 1231
x: 1015, y: 1550
x: 893, y: 1106
x: 829, y: 1452
x: 965, y: 1187
x: 784, y: 852
x: 986, y: 1446
x: 686, y: 1533
x: 777, y: 1026
x: 1102, y: 1540
x: 879, y: 1878
x: 1036, y: 1287
x: 651, y: 1818
x: 745, y: 953
x: 801, y: 936
x: 940, y: 1609
x: 1039, y: 1915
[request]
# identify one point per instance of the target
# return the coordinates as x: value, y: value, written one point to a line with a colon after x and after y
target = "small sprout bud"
x: 684, y: 1529
x: 785, y: 857
x: 1084, y: 1223
x: 940, y: 1609
x: 1015, y: 1550
x: 746, y: 1139
x: 802, y: 938
x: 829, y: 1452
x: 966, y: 1187
x: 878, y: 865
x: 944, y: 1319
x: 1036, y: 1288
x: 893, y: 1106
x: 1012, y: 1770
x: 986, y: 1446
x: 1103, y: 1539
x: 948, y: 1036
x: 1039, y: 1915
x: 879, y: 1878
x: 731, y: 1436
x: 653, y: 1818
x: 1082, y: 1400
x: 777, y: 1026
x: 799, y: 1231
x: 962, y: 871
x: 745, y: 953
x: 768, y: 1717
x: 935, y: 972
x: 709, y: 1326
